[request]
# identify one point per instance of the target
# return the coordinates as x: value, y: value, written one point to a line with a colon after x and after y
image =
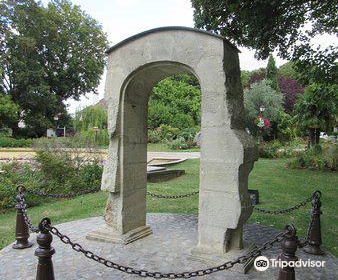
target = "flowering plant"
x: 262, y: 123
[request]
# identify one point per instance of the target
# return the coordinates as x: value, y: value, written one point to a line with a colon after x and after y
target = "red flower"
x: 267, y: 123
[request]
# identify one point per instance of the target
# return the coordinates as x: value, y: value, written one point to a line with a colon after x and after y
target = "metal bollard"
x: 314, y: 235
x: 21, y: 229
x: 44, y: 252
x: 289, y: 247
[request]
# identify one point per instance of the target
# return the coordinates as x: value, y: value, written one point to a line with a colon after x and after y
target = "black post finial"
x: 21, y: 229
x: 289, y: 247
x: 314, y: 236
x: 44, y: 252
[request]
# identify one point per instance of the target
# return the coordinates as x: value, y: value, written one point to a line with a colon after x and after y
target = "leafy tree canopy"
x: 48, y: 54
x: 288, y: 70
x: 267, y: 26
x: 175, y: 101
x: 8, y: 111
x: 317, y: 107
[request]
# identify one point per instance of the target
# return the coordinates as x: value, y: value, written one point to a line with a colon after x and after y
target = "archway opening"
x: 136, y: 97
x: 174, y: 125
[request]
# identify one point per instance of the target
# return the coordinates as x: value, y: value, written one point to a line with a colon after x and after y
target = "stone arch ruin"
x: 135, y: 66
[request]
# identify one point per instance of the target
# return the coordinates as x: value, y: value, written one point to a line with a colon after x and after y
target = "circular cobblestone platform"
x: 167, y: 250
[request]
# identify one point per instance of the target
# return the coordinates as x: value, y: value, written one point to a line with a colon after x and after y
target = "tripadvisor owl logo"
x: 261, y: 263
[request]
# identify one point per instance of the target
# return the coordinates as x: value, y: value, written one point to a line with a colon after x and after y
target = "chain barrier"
x: 171, y: 275
x: 56, y: 195
x: 290, y: 209
x: 24, y: 210
x: 172, y: 196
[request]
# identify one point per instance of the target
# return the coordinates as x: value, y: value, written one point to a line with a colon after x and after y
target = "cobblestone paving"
x: 167, y: 250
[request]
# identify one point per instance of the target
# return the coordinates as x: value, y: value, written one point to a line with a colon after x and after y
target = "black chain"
x: 145, y: 273
x: 172, y: 196
x: 56, y: 195
x: 287, y: 210
x: 23, y: 208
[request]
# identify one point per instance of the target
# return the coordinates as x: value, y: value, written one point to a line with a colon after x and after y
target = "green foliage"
x: 6, y: 141
x: 15, y: 174
x: 8, y: 111
x: 91, y: 125
x: 61, y: 166
x: 261, y: 94
x: 269, y: 149
x: 277, y: 149
x: 188, y: 134
x: 180, y: 144
x: 245, y: 78
x: 317, y: 107
x: 48, y: 54
x: 271, y: 73
x: 175, y: 101
x: 267, y: 26
x: 163, y: 133
x: 286, y: 129
x: 56, y: 168
x: 288, y: 70
x: 317, y: 158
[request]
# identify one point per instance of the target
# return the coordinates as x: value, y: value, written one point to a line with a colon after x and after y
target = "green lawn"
x: 279, y: 187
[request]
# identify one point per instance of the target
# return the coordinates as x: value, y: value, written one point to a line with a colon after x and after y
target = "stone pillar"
x: 227, y: 157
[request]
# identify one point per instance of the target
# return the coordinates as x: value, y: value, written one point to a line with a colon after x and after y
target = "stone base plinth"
x: 211, y: 258
x: 107, y: 234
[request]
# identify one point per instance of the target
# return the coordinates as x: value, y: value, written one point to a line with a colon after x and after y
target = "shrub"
x: 60, y: 167
x: 66, y: 167
x: 286, y: 127
x: 180, y: 144
x: 189, y: 134
x: 18, y: 174
x: 6, y: 141
x: 154, y: 136
x: 269, y: 149
x: 261, y: 94
x: 163, y: 133
x: 317, y: 158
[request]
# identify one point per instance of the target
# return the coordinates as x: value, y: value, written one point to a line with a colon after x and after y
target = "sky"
x: 121, y: 19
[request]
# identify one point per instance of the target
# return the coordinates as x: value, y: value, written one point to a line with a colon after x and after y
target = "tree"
x: 49, y: 54
x: 288, y: 86
x: 91, y: 124
x: 175, y: 101
x: 288, y: 70
x: 290, y: 89
x: 257, y: 76
x: 261, y: 94
x: 8, y: 111
x: 271, y: 72
x: 316, y: 109
x: 245, y: 78
x: 267, y: 26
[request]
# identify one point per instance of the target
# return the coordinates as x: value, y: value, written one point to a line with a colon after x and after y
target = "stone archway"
x: 227, y: 153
